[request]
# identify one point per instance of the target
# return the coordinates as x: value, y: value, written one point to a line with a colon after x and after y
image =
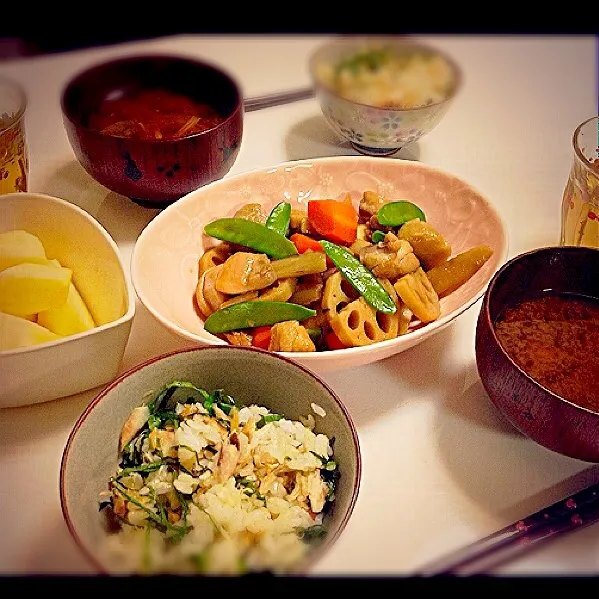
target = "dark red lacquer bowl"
x: 154, y: 172
x: 547, y: 418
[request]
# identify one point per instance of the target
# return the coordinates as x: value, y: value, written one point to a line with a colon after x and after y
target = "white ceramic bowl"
x: 249, y: 375
x: 78, y: 362
x: 373, y: 129
x: 164, y: 265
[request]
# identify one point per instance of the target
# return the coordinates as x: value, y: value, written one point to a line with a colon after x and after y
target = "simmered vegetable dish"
x: 329, y: 277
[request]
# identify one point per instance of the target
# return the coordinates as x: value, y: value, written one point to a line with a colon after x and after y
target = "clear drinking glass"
x: 580, y: 204
x: 14, y: 159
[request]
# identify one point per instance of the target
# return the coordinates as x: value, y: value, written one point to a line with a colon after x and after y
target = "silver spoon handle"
x: 259, y: 102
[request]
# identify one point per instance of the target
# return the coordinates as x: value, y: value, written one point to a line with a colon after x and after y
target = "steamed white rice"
x: 384, y: 78
x: 215, y: 492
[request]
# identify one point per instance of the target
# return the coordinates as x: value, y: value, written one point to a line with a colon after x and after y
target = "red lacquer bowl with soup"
x: 154, y: 127
x: 537, y: 347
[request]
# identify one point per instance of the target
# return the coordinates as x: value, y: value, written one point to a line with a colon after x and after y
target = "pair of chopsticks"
x: 572, y: 513
x: 276, y: 99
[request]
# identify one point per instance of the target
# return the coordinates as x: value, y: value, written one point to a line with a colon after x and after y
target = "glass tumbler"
x: 580, y: 204
x: 14, y: 160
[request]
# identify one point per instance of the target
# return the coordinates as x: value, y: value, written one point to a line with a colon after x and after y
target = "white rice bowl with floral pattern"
x: 381, y: 93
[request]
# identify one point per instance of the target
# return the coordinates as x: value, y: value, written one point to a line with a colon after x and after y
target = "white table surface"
x: 440, y: 467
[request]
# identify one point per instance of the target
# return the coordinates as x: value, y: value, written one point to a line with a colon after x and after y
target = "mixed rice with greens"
x: 383, y: 77
x: 205, y: 485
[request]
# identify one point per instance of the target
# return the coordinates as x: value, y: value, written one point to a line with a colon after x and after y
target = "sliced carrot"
x: 333, y: 342
x: 303, y: 243
x: 334, y: 220
x: 261, y: 336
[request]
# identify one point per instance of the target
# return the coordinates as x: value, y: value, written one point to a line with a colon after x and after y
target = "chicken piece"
x: 358, y: 245
x: 317, y: 492
x: 233, y: 426
x: 163, y: 442
x: 136, y: 421
x: 374, y: 225
x: 363, y: 232
x: 319, y: 321
x: 239, y: 338
x: 298, y: 221
x: 290, y: 336
x: 252, y: 212
x: 390, y: 259
x: 187, y: 458
x: 429, y: 245
x: 227, y: 462
x: 245, y: 271
x: 370, y: 204
x: 119, y: 506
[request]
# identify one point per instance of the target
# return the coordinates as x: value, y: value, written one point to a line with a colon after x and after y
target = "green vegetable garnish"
x: 371, y: 60
x: 395, y: 214
x: 251, y: 235
x: 378, y: 236
x: 315, y: 333
x: 162, y: 399
x: 312, y: 533
x: 360, y: 278
x: 279, y: 218
x: 268, y: 418
x: 160, y: 419
x: 223, y: 401
x: 244, y: 315
x: 200, y: 561
x: 161, y: 521
x: 141, y: 468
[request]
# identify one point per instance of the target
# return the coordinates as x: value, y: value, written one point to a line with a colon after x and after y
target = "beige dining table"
x: 441, y: 468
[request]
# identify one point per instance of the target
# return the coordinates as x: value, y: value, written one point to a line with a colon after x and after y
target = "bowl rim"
x: 494, y: 283
x: 396, y: 41
x: 130, y: 290
x: 593, y: 167
x: 416, y: 334
x: 234, y: 349
x: 23, y: 99
x: 115, y: 62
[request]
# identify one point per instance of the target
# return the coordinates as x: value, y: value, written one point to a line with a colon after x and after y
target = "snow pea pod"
x: 279, y: 218
x: 255, y: 236
x: 360, y: 278
x: 395, y: 214
x: 245, y: 315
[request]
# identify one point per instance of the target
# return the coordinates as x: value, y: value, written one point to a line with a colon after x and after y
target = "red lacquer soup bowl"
x: 537, y: 347
x: 192, y: 137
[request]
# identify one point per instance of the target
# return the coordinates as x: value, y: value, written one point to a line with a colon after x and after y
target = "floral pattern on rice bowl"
x: 378, y: 127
